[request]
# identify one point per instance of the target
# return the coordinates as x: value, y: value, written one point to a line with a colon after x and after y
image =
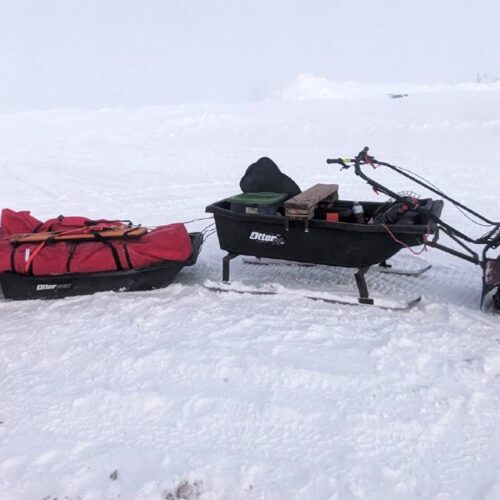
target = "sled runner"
x: 73, y: 256
x: 336, y: 296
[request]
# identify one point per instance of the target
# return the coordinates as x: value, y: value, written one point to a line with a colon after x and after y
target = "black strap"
x: 114, y: 252
x: 72, y: 249
x: 126, y: 252
x: 12, y: 256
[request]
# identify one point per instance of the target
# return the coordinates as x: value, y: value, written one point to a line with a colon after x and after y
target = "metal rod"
x: 362, y: 159
x: 456, y: 253
x: 436, y: 191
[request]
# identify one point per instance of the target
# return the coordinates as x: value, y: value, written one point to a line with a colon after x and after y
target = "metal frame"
x: 491, y: 240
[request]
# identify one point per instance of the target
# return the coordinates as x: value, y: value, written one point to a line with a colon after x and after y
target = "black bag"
x: 264, y: 175
x: 403, y: 212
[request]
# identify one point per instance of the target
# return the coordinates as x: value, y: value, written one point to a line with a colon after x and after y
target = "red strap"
x: 424, y: 248
x: 369, y: 159
x: 33, y: 255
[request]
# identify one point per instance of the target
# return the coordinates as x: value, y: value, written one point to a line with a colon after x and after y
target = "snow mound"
x: 309, y: 87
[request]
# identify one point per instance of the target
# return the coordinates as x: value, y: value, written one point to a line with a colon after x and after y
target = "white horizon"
x: 129, y: 54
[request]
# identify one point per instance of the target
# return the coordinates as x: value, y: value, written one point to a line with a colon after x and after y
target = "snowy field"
x: 186, y: 393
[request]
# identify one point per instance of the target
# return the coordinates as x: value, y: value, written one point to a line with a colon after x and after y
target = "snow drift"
x: 309, y: 87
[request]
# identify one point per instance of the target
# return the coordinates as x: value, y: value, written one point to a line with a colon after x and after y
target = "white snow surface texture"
x: 186, y: 393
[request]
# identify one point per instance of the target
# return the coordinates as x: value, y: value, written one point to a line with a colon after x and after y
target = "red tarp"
x: 165, y: 243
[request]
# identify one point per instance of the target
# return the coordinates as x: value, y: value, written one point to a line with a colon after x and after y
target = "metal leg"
x: 225, y: 266
x: 496, y: 299
x: 485, y: 290
x: 362, y: 286
x: 491, y: 278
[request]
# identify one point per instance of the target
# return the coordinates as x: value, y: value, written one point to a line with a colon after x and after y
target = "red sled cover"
x: 23, y: 222
x: 165, y: 243
x: 18, y: 222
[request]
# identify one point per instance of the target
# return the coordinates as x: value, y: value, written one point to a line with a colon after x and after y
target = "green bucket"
x: 263, y: 203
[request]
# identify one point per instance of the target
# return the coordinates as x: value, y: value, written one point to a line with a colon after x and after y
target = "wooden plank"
x: 309, y: 198
x: 297, y: 211
x: 109, y: 234
x: 294, y: 213
x: 301, y: 217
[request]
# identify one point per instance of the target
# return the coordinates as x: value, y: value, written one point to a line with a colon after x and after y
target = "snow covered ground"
x: 185, y: 393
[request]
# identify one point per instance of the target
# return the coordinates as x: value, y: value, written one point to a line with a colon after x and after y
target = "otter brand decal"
x: 273, y: 239
x: 45, y: 286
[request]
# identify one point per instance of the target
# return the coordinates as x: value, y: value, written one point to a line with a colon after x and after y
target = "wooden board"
x: 301, y: 207
x: 109, y: 234
x: 295, y: 213
x: 309, y: 198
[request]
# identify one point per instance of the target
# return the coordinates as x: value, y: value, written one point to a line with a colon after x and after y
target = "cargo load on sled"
x: 68, y: 256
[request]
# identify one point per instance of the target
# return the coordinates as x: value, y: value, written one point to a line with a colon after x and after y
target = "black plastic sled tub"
x: 22, y: 287
x: 343, y: 244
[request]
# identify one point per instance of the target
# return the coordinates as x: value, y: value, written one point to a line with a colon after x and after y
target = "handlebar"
x: 340, y: 161
x: 363, y: 158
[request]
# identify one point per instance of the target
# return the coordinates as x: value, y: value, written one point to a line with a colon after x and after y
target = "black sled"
x: 342, y: 244
x: 305, y: 234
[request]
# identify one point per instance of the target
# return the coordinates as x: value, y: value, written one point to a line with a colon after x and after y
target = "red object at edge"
x: 332, y: 217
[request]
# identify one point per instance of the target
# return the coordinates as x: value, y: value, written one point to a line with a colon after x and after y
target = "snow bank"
x: 308, y: 87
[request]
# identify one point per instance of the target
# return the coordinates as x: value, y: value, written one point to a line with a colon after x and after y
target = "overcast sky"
x: 95, y: 53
